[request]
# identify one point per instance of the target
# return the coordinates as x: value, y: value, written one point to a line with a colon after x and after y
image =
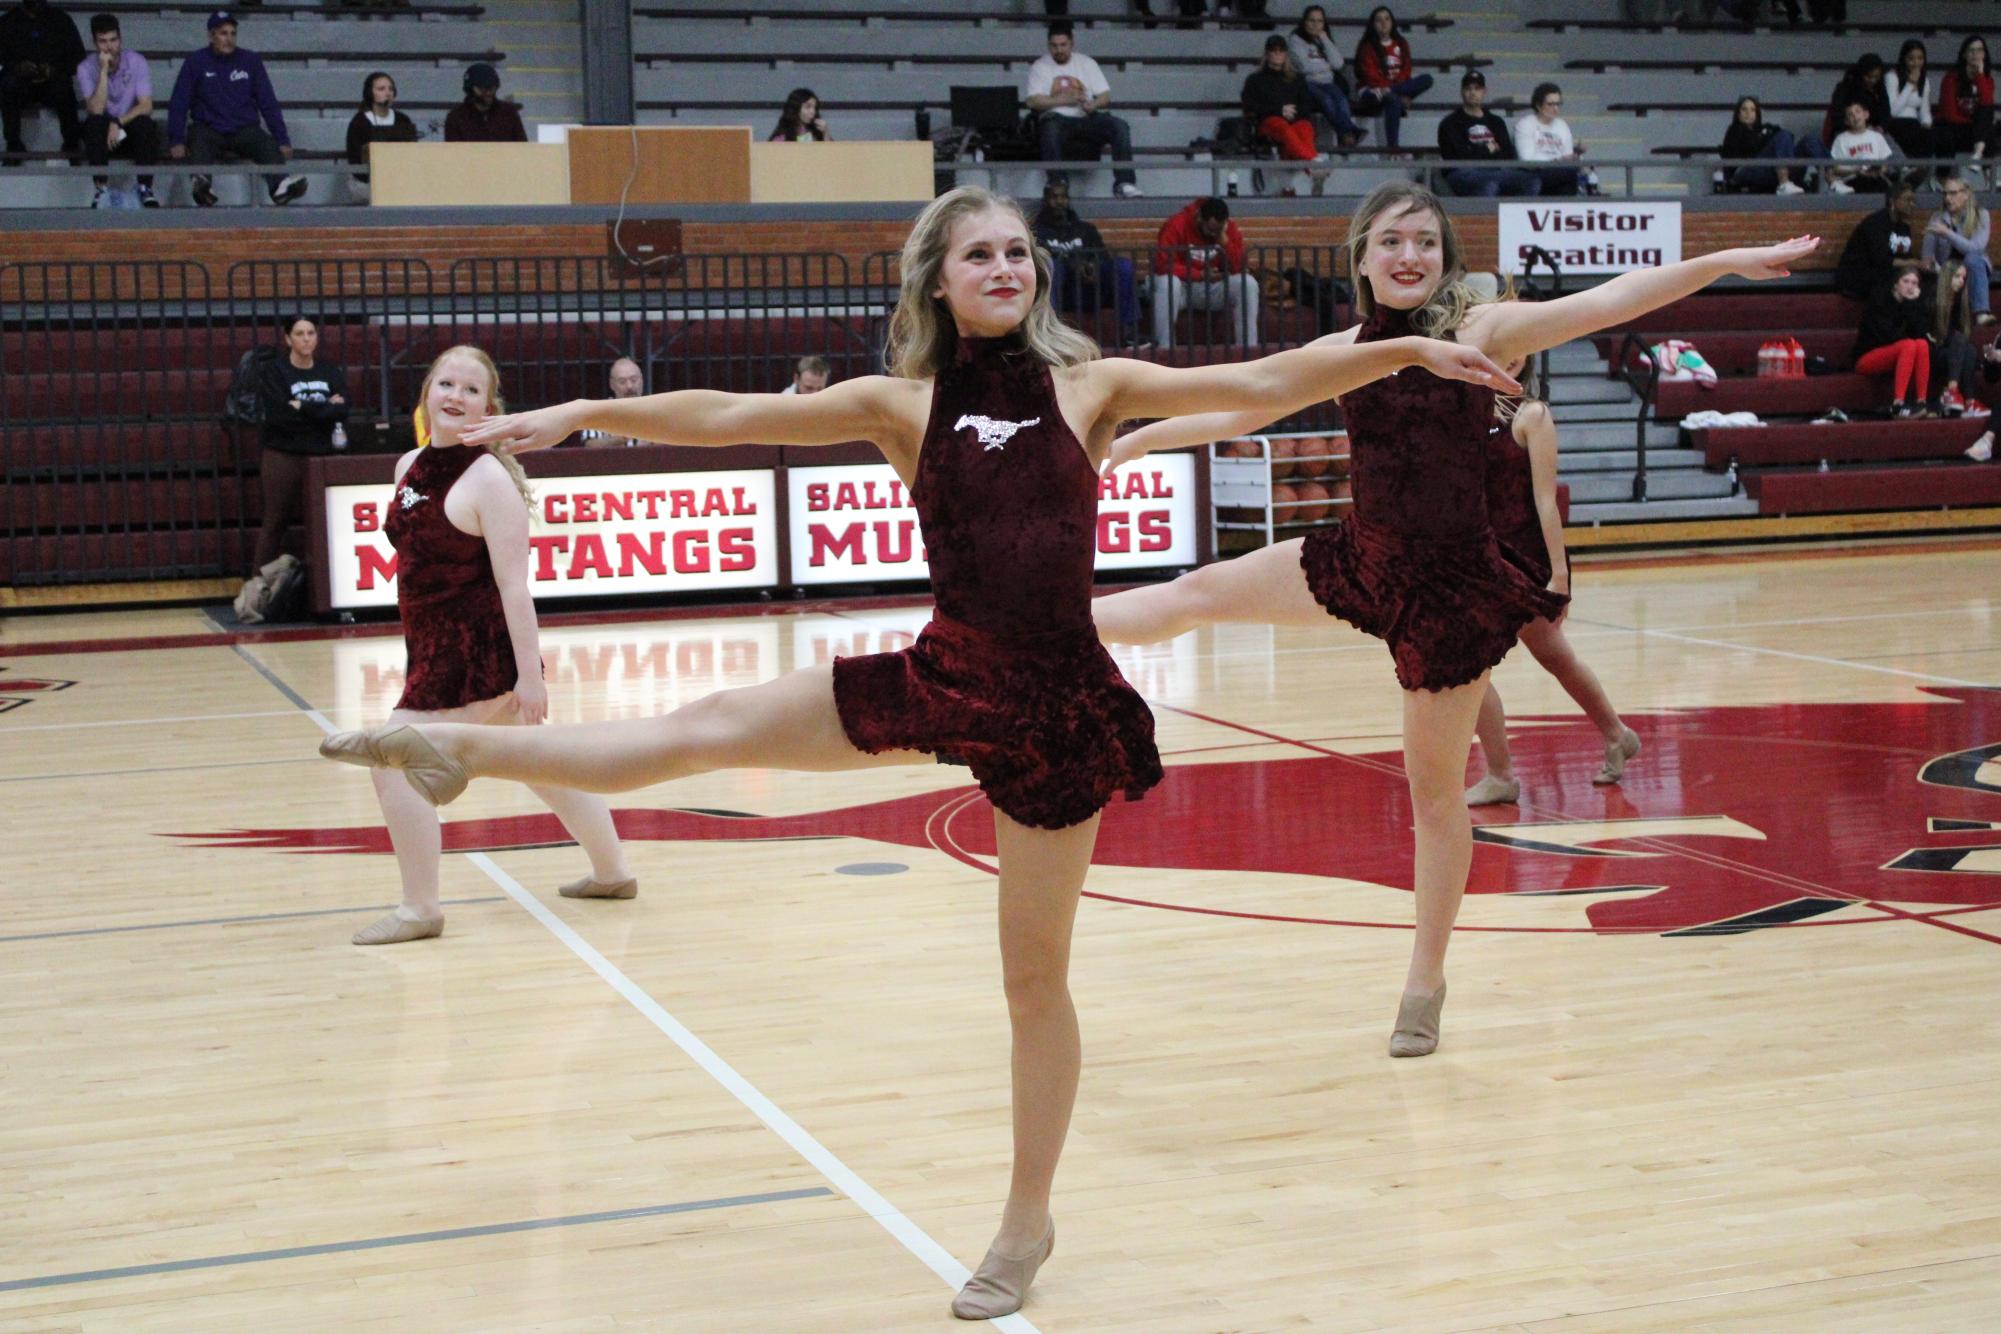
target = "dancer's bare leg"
x: 1264, y: 586
x: 1551, y: 647
x: 1041, y: 874
x: 1492, y: 729
x: 789, y: 723
x: 1437, y: 729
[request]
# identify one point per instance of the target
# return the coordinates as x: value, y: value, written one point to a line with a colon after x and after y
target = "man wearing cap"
x: 1475, y: 134
x: 483, y: 118
x: 221, y: 93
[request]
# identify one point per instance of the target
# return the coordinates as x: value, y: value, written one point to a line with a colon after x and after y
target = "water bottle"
x: 1731, y: 477
x: 1798, y: 357
x: 924, y: 124
x: 340, y: 436
x: 1823, y: 465
x: 1230, y: 185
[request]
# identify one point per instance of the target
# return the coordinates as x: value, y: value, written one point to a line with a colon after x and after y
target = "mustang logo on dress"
x: 994, y: 434
x: 410, y: 498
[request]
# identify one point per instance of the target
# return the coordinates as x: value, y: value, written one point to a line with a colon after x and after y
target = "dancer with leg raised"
x: 1416, y: 563
x: 460, y: 527
x: 996, y: 417
x: 1521, y: 503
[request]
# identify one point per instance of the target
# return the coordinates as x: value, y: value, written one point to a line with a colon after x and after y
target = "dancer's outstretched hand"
x: 520, y: 431
x: 1457, y: 361
x: 1773, y: 261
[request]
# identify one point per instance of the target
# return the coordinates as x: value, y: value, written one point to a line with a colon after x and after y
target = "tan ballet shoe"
x: 1416, y: 1033
x: 401, y: 746
x: 393, y: 929
x: 587, y: 888
x: 1000, y: 1285
x: 1616, y: 755
x: 1492, y: 791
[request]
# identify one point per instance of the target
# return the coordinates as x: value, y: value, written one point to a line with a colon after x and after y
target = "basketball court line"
x: 148, y: 722
x: 1814, y: 658
x: 232, y: 921
x: 892, y: 1220
x: 411, y: 1239
x: 159, y: 769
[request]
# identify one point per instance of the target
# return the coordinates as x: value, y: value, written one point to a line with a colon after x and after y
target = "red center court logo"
x: 1735, y: 819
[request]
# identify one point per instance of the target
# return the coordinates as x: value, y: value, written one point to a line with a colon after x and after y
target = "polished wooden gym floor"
x: 1723, y: 1049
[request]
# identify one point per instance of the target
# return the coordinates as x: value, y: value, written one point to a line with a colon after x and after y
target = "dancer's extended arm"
x: 503, y: 522
x: 1279, y: 384
x: 872, y: 407
x: 1508, y: 330
x: 1536, y: 429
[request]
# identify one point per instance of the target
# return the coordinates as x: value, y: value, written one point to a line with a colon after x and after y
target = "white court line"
x: 1814, y: 657
x: 148, y: 722
x: 1830, y: 620
x: 913, y: 1238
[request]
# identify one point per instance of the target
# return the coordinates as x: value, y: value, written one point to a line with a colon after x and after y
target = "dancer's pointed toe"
x: 1000, y: 1285
x: 438, y: 779
x: 1616, y: 755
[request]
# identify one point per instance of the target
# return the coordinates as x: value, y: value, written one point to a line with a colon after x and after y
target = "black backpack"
x: 244, y: 403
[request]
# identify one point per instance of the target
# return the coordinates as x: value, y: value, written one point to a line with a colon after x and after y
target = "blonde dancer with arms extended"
x: 997, y: 417
x: 460, y: 527
x: 1416, y: 563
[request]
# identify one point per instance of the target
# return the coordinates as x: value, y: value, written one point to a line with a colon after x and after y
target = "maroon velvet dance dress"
x: 1416, y: 562
x: 1009, y: 677
x: 454, y: 628
x: 1511, y: 499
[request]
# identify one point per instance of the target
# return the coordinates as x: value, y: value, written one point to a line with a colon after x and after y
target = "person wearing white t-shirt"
x: 1068, y: 94
x: 1544, y: 135
x: 1859, y: 142
x: 809, y: 376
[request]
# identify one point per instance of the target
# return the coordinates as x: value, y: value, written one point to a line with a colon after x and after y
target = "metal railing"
x: 1646, y: 383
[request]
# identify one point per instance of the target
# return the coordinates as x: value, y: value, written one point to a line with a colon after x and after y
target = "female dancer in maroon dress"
x: 1416, y: 563
x: 997, y: 418
x: 459, y: 523
x: 1521, y: 503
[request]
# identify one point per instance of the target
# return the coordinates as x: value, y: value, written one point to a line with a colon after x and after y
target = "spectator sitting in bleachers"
x: 1894, y: 340
x: 1084, y: 278
x: 221, y: 93
x: 1385, y: 80
x: 1953, y: 353
x: 809, y: 376
x: 800, y: 118
x: 1199, y: 264
x: 1964, y: 124
x: 624, y: 380
x: 1862, y: 83
x: 1909, y: 90
x: 1474, y: 134
x: 116, y: 88
x: 1750, y: 137
x: 378, y: 122
x: 482, y: 118
x: 1858, y: 143
x: 39, y: 46
x: 1068, y: 93
x: 1275, y: 101
x: 1880, y: 248
x: 1958, y: 233
x: 1319, y: 62
x: 1543, y: 135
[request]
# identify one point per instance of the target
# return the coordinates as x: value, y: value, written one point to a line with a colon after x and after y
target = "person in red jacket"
x: 1386, y: 82
x: 1964, y: 121
x: 1198, y: 264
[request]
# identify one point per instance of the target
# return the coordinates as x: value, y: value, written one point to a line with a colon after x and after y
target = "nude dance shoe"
x: 1000, y: 1285
x: 1492, y: 791
x: 1616, y: 755
x: 391, y: 929
x: 401, y: 746
x: 588, y: 888
x: 1416, y: 1033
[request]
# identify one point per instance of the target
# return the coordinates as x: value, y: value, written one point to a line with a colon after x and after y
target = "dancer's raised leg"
x: 1041, y: 875
x: 1437, y: 729
x: 1265, y: 586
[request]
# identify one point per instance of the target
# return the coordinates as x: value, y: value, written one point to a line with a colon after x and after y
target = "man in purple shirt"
x: 218, y: 98
x: 116, y: 89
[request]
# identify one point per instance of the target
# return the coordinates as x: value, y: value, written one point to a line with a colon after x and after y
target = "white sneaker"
x: 1981, y: 450
x: 1128, y: 190
x: 289, y: 189
x: 1840, y: 188
x: 1788, y: 188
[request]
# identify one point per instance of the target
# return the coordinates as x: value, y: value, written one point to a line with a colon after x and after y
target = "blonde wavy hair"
x: 1445, y: 309
x: 495, y: 404
x: 922, y: 332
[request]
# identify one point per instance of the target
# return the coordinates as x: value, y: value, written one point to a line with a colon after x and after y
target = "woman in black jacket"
x: 1894, y: 340
x: 1277, y: 104
x: 305, y: 402
x: 1749, y: 137
x: 378, y: 122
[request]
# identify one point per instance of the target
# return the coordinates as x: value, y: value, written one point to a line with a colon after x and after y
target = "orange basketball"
x: 1311, y: 448
x: 1284, y: 502
x: 1340, y: 489
x: 1282, y: 451
x: 1314, y: 506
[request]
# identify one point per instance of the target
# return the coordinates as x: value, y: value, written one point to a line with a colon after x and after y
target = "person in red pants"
x: 1277, y: 102
x: 1892, y: 342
